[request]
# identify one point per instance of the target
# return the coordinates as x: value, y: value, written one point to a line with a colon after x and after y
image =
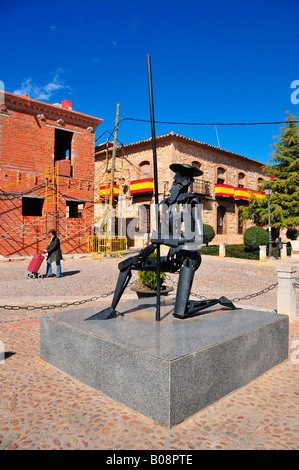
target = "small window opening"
x: 220, y: 220
x: 145, y: 170
x: 32, y: 207
x: 241, y: 180
x: 221, y: 175
x: 197, y: 165
x: 144, y: 218
x: 74, y: 209
x: 63, y: 145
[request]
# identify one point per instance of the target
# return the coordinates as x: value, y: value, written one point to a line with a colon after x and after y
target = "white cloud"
x: 38, y: 92
x: 52, y: 28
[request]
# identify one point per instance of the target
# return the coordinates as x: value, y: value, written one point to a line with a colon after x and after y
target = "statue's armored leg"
x: 183, y: 290
x: 122, y: 282
x: 185, y: 308
x: 196, y: 306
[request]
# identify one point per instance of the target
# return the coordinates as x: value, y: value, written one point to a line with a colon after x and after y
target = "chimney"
x: 67, y: 104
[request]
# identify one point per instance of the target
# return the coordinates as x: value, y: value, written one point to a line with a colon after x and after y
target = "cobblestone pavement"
x: 43, y: 408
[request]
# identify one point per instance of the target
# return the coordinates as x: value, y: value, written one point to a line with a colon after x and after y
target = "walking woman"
x: 54, y: 254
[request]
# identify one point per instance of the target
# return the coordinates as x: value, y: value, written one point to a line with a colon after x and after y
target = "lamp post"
x: 268, y: 192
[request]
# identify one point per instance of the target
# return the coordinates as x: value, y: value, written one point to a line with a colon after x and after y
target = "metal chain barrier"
x: 63, y: 305
x: 236, y: 299
x: 174, y: 283
x: 107, y: 294
x: 251, y: 296
x: 50, y: 307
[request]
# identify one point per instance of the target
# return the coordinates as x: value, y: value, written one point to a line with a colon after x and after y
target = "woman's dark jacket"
x: 54, y: 250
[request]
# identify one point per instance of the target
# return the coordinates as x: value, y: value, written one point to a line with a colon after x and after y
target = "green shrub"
x: 254, y: 237
x: 149, y: 278
x: 209, y: 233
x: 210, y: 250
x: 240, y: 251
x: 292, y: 233
x: 231, y: 251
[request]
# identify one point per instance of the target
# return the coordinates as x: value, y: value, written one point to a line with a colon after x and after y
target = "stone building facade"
x: 228, y: 181
x: 46, y: 175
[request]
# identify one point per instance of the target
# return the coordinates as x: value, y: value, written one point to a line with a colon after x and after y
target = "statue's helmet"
x: 184, y: 169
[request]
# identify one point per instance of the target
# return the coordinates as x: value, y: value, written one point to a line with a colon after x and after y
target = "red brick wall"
x: 26, y: 152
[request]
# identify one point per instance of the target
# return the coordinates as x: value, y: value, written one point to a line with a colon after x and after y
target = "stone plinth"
x: 263, y: 253
x: 286, y: 291
x: 165, y: 370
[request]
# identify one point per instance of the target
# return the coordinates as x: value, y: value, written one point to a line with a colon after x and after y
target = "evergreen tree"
x: 284, y: 181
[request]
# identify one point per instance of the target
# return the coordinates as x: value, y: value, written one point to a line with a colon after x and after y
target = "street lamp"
x: 268, y: 192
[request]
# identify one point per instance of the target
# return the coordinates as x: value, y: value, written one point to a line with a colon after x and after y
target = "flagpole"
x: 155, y: 182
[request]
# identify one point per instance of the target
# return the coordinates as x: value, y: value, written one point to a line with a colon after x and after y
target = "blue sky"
x: 212, y: 61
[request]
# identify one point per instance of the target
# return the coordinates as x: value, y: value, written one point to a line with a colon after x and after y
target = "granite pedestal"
x: 165, y: 370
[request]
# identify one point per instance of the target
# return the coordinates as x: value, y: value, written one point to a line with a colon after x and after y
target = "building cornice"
x: 53, y: 111
x: 179, y: 138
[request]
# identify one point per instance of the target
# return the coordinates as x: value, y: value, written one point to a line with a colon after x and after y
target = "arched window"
x: 197, y: 165
x: 241, y: 180
x: 144, y: 218
x: 220, y: 220
x: 198, y: 183
x: 145, y: 170
x: 259, y: 181
x: 221, y: 175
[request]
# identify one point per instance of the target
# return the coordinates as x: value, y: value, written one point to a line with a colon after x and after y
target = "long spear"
x: 155, y: 182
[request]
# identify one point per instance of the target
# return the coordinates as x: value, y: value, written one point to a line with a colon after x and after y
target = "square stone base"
x: 165, y: 370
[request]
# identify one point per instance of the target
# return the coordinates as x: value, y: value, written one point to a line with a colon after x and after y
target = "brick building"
x: 46, y: 175
x: 228, y: 181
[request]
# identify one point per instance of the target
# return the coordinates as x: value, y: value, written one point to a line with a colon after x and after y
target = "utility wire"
x: 208, y: 123
x: 198, y: 124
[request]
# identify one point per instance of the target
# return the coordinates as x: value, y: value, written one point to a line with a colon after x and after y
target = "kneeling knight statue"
x: 181, y: 229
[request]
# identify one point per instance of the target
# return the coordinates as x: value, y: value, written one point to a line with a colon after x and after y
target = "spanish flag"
x: 224, y: 190
x: 243, y: 193
x: 142, y: 186
x: 104, y: 191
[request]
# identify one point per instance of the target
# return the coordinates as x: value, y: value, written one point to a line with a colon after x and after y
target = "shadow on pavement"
x: 70, y: 273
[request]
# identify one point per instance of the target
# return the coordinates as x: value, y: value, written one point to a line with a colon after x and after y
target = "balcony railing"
x: 146, y: 186
x: 200, y: 187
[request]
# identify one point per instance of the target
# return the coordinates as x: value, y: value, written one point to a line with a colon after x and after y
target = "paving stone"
x: 42, y: 408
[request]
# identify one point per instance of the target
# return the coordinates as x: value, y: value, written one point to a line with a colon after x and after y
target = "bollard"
x: 286, y: 291
x: 222, y: 250
x: 263, y: 252
x: 283, y: 253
